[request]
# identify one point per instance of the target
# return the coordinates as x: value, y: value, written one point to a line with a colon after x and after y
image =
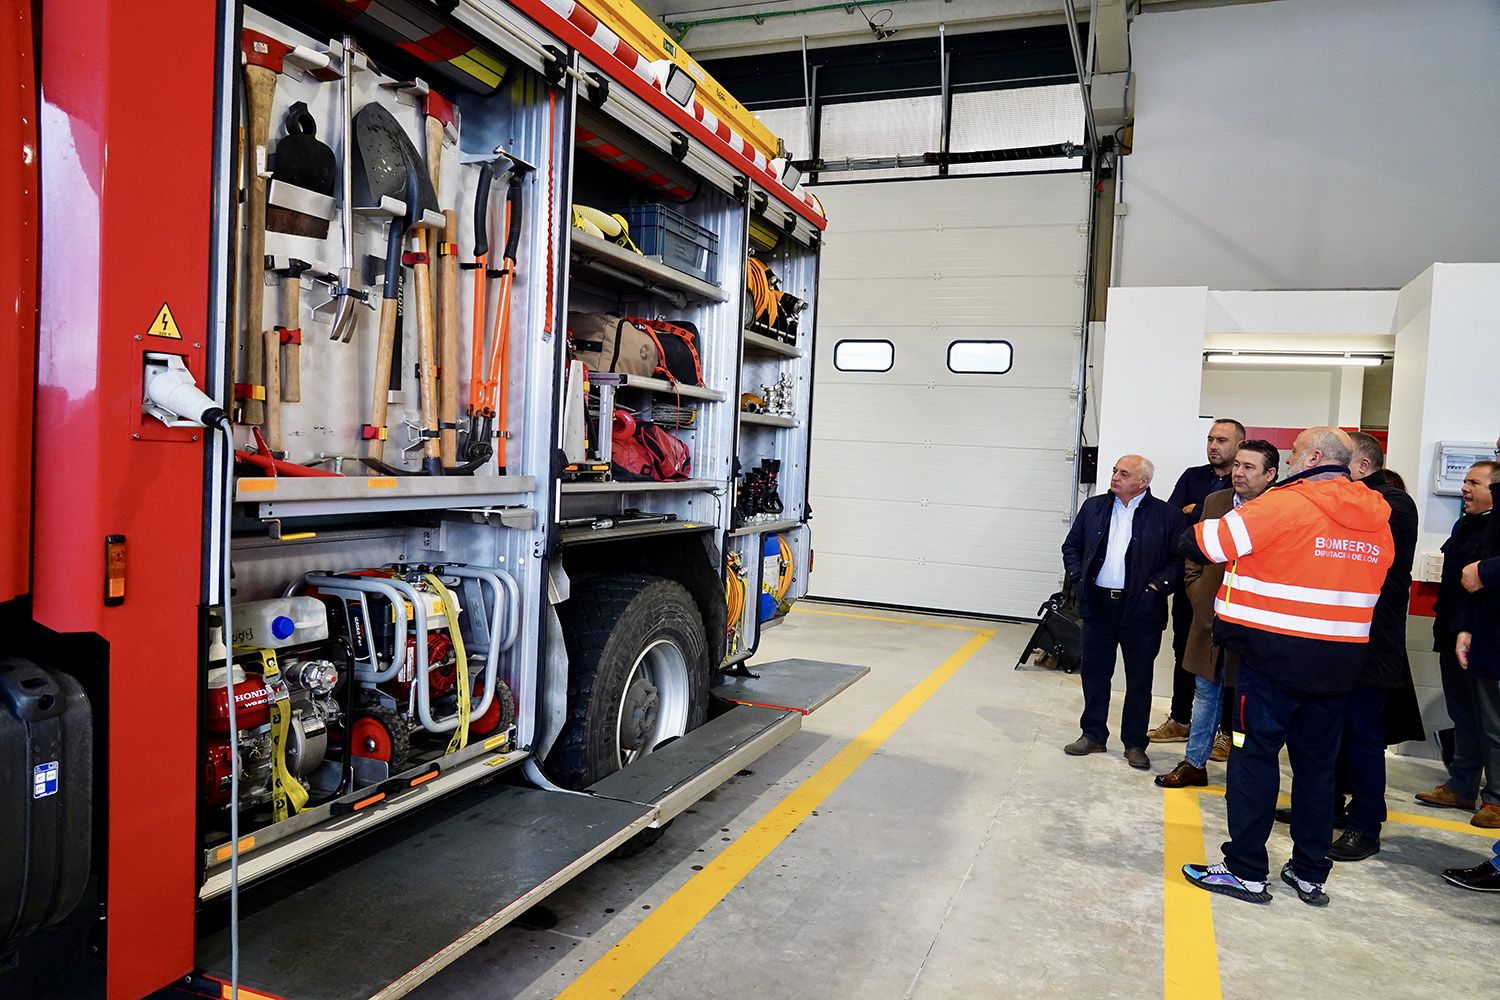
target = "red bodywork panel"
x: 127, y: 165
x: 18, y: 248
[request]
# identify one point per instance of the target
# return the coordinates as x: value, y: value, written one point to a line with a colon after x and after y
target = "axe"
x: 263, y: 57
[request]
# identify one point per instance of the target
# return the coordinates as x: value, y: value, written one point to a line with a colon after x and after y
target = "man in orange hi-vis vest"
x: 1306, y: 561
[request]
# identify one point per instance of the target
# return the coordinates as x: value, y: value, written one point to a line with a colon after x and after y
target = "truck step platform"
x: 414, y: 895
x: 682, y: 772
x: 796, y: 685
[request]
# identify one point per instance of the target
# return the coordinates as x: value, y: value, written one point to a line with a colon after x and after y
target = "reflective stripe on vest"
x: 1307, y: 595
x: 1276, y: 621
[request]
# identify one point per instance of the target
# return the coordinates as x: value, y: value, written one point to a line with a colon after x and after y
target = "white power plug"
x: 171, y: 395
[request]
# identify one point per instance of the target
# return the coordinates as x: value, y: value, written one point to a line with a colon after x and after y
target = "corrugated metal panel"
x: 929, y: 488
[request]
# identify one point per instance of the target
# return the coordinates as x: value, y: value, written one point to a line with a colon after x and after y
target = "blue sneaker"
x: 1217, y: 878
x: 1310, y: 893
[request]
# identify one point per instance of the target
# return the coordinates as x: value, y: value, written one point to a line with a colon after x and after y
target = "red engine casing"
x: 252, y: 706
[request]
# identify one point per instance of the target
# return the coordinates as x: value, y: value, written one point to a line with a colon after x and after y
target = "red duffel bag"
x: 646, y: 452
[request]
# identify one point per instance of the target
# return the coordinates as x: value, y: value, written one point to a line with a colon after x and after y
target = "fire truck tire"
x: 638, y: 674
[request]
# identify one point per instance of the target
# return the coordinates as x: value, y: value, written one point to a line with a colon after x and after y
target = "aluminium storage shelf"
x: 603, y: 261
x: 659, y: 385
x: 764, y: 527
x: 707, y: 485
x: 769, y: 420
x: 770, y: 345
x: 297, y: 496
x: 586, y: 536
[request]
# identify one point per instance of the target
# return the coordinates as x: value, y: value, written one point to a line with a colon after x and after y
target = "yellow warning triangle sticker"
x: 164, y: 325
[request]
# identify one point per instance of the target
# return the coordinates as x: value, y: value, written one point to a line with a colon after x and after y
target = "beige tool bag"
x: 608, y: 343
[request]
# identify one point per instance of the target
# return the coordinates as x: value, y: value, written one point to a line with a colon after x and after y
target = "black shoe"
x: 1481, y: 878
x: 1354, y: 847
x: 1310, y: 893
x: 1340, y: 816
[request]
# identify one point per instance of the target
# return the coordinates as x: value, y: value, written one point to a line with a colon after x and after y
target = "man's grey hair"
x: 1366, y: 446
x: 1335, y: 444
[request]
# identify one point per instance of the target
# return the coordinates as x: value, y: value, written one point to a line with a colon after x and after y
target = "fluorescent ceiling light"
x: 1270, y: 358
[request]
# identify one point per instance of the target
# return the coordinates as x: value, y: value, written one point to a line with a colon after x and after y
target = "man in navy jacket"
x: 1120, y: 556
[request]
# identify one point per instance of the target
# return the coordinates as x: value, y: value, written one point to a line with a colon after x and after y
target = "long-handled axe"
x: 263, y: 59
x: 442, y: 127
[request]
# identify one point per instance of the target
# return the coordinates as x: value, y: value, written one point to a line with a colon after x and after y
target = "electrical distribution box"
x: 1454, y: 458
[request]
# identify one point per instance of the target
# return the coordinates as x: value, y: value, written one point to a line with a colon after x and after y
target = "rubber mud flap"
x: 46, y: 797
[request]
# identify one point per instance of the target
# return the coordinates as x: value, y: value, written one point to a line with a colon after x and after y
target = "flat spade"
x: 386, y: 164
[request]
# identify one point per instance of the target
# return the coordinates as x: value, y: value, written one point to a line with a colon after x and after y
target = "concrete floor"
x: 968, y: 857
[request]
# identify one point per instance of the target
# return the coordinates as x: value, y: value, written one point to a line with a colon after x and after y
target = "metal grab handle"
x: 368, y: 585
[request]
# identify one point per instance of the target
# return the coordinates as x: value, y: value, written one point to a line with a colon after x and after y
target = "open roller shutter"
x: 931, y: 488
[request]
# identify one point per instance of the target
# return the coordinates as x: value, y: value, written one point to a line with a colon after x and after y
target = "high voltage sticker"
x: 164, y: 325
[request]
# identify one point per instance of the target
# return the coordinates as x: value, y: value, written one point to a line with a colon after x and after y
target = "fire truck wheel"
x: 638, y: 674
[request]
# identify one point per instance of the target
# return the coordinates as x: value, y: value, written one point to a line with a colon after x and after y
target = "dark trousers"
x: 1360, y: 772
x: 1272, y: 715
x: 1103, y: 633
x: 1485, y: 694
x: 1458, y: 697
x: 1184, y: 682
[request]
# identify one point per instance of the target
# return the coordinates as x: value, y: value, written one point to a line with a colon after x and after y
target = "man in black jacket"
x: 1465, y: 545
x: 1361, y: 765
x: 1224, y: 439
x: 1120, y: 556
x: 1478, y: 650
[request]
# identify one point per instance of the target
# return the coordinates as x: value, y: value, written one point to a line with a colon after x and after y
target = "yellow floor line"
x: 799, y: 609
x: 619, y: 969
x: 1391, y: 816
x: 1190, y: 958
x: 1432, y: 823
x: 1191, y: 955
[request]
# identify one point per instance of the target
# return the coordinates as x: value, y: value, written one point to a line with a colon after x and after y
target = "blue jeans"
x: 1206, y: 713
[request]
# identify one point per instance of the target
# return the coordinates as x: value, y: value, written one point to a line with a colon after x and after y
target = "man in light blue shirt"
x: 1119, y: 555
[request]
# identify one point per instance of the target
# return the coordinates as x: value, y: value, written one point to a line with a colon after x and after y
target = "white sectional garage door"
x: 932, y: 489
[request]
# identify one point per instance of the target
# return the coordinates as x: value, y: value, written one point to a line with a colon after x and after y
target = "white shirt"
x: 1121, y: 520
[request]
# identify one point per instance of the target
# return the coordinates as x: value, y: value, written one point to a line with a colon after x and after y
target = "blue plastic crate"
x: 677, y: 242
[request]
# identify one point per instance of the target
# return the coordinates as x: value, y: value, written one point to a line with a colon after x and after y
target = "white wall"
x: 1447, y: 366
x: 1312, y: 143
x: 1152, y: 387
x: 1270, y: 397
x: 1148, y: 405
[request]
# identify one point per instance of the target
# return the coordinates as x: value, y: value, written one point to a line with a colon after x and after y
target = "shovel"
x: 387, y: 165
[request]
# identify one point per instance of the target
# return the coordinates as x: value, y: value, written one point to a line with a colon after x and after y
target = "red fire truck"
x: 403, y: 401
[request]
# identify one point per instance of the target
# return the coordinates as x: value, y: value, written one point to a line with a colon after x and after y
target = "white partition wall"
x: 933, y: 488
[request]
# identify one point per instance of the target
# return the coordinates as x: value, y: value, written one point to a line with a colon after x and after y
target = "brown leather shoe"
x: 1170, y: 731
x: 1183, y: 776
x: 1487, y: 818
x: 1446, y: 798
x: 1220, y: 752
x: 1082, y: 747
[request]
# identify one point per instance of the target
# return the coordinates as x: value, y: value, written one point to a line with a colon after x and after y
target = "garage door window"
x: 979, y: 357
x: 864, y: 355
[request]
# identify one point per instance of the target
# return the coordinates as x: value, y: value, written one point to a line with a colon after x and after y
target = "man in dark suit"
x: 1120, y: 556
x: 1360, y: 769
x: 1466, y: 544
